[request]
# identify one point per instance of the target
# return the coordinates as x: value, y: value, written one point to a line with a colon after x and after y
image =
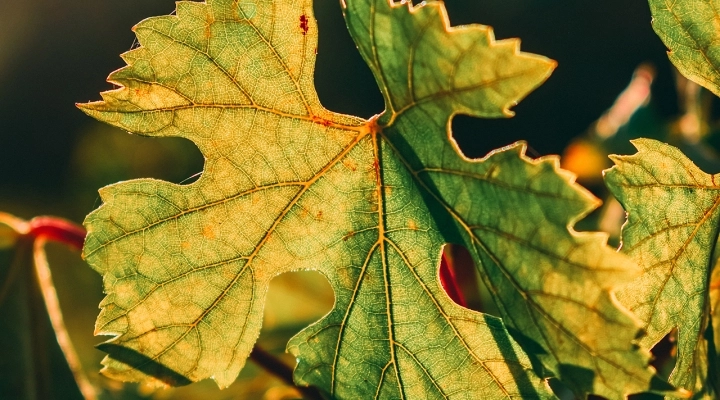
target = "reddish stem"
x: 449, y: 283
x: 58, y: 230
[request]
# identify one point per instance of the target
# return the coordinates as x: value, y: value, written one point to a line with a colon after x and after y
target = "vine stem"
x: 49, y: 228
x: 58, y: 230
x: 55, y: 229
x: 52, y: 303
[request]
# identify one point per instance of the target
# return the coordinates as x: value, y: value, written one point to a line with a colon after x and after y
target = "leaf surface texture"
x: 671, y: 231
x: 289, y: 185
x: 691, y: 30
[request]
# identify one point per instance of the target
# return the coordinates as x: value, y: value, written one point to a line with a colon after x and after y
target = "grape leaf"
x: 714, y: 343
x: 671, y: 230
x: 691, y: 30
x: 289, y: 185
x: 715, y: 306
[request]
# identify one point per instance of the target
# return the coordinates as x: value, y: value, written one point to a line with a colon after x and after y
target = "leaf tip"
x: 83, y: 106
x: 90, y: 108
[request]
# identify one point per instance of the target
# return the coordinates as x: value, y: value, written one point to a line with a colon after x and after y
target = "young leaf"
x: 289, y: 185
x: 691, y: 30
x: 671, y: 230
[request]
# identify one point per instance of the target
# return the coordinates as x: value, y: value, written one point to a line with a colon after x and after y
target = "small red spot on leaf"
x: 304, y: 24
x: 321, y: 121
x: 376, y: 167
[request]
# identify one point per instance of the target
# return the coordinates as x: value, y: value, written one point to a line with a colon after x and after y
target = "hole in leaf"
x: 665, y: 354
x: 343, y: 80
x: 106, y: 155
x: 477, y: 137
x: 472, y: 289
x: 294, y: 301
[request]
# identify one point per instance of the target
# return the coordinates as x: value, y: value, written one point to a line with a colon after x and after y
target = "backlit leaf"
x: 289, y: 185
x: 691, y: 30
x: 672, y: 227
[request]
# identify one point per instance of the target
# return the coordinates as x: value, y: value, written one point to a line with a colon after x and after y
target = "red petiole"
x: 57, y: 230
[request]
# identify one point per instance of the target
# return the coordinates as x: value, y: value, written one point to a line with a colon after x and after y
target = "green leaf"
x: 691, y: 30
x: 671, y: 231
x: 715, y: 316
x: 715, y: 304
x: 289, y: 185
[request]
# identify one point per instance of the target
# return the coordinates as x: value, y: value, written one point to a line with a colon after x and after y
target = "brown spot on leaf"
x: 321, y: 121
x: 368, y: 278
x: 412, y: 225
x: 304, y: 24
x: 208, y: 26
x: 208, y: 232
x: 350, y: 164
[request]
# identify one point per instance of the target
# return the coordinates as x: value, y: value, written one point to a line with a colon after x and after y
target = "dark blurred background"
x: 53, y: 158
x: 56, y: 53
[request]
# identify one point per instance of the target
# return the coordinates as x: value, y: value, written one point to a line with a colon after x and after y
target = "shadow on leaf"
x: 144, y: 364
